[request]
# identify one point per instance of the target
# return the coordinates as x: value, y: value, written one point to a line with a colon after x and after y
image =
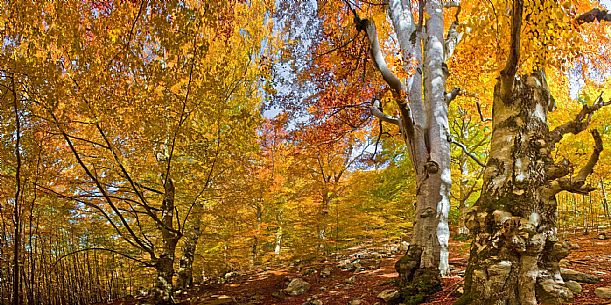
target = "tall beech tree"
x: 422, y: 101
x: 515, y: 251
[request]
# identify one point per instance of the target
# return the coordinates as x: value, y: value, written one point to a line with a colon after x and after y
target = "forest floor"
x: 371, y: 271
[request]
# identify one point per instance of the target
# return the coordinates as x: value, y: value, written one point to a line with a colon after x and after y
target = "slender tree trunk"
x: 604, y: 195
x: 439, y: 136
x: 463, y: 193
x: 323, y: 215
x: 185, y: 271
x: 278, y: 244
x: 255, y: 242
x: 16, y: 216
x: 462, y: 204
x: 164, y: 265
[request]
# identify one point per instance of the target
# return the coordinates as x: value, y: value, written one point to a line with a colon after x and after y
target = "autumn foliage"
x: 142, y: 139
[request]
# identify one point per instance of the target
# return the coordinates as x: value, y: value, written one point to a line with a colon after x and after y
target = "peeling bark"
x: 515, y: 252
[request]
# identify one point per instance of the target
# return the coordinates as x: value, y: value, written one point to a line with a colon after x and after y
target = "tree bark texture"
x: 164, y: 265
x: 424, y: 125
x: 185, y: 264
x: 515, y: 252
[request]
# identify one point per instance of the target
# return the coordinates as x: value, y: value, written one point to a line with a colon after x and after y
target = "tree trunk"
x: 463, y: 231
x: 16, y: 208
x: 463, y: 190
x: 164, y: 265
x: 419, y: 268
x: 604, y: 195
x: 278, y: 243
x: 185, y: 271
x: 185, y: 264
x: 515, y: 252
x: 427, y: 257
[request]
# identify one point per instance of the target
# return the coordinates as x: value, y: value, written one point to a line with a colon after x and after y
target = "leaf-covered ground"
x: 375, y: 273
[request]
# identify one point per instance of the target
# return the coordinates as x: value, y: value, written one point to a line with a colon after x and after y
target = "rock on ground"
x: 574, y: 287
x: 313, y: 302
x: 603, y: 292
x: 297, y: 286
x: 574, y: 275
x: 389, y: 295
x: 325, y: 272
x: 220, y: 300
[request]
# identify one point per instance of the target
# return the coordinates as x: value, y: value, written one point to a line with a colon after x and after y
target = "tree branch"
x: 511, y: 67
x: 391, y: 79
x: 94, y: 206
x: 102, y: 190
x: 453, y: 37
x: 376, y: 110
x: 576, y: 184
x: 581, y: 121
x: 594, y: 14
x: 451, y: 4
x: 559, y: 169
x: 145, y: 263
x: 450, y: 96
x: 481, y: 115
x: 466, y: 151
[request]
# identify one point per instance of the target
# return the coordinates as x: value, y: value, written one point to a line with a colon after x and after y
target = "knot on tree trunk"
x: 431, y: 167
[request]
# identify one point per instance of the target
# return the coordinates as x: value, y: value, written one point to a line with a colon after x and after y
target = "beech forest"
x: 305, y: 152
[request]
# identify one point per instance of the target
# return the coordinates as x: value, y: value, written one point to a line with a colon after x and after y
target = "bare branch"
x: 481, y: 115
x: 101, y: 188
x: 467, y: 152
x: 376, y: 110
x: 595, y: 14
x: 559, y: 169
x: 451, y: 4
x: 450, y: 96
x: 94, y: 143
x: 576, y: 184
x: 391, y: 79
x: 96, y: 207
x: 452, y: 40
x: 581, y: 121
x: 145, y: 263
x: 454, y: 36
